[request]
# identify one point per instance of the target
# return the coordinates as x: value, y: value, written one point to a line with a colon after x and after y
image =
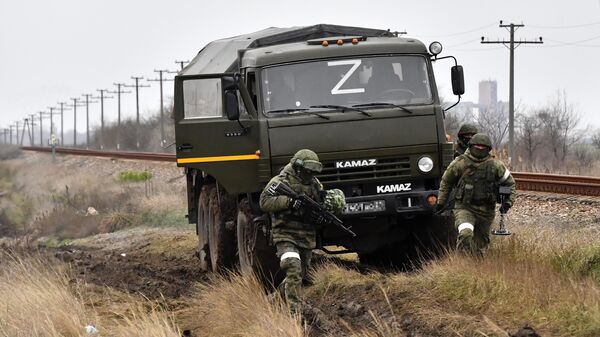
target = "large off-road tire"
x: 203, y: 249
x: 221, y: 240
x: 254, y: 252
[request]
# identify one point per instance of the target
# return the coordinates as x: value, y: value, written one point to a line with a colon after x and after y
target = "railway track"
x: 552, y: 183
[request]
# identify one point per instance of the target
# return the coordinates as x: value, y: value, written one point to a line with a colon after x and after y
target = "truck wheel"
x: 221, y: 241
x: 254, y: 251
x: 203, y: 249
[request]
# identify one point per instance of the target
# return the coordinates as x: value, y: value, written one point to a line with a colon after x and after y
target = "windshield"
x: 398, y: 80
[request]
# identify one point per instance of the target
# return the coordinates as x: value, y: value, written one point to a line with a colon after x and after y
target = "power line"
x: 512, y: 45
x: 567, y: 27
x: 462, y: 32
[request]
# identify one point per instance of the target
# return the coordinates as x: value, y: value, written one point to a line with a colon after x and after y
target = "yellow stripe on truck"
x: 217, y: 159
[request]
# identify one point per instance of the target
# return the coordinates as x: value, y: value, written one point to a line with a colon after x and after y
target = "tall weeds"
x: 237, y: 305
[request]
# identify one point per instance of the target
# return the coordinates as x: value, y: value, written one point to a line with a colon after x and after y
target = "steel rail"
x: 151, y: 156
x: 541, y: 182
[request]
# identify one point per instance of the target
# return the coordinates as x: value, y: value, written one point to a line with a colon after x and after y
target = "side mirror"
x: 229, y: 83
x: 231, y: 105
x: 458, y: 80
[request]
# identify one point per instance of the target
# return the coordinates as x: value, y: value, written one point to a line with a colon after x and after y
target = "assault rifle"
x: 315, y: 213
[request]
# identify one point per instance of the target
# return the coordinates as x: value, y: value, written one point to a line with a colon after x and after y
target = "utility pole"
x: 11, y: 133
x: 119, y: 92
x: 160, y: 79
x: 87, y: 118
x: 512, y: 45
x: 52, y: 119
x: 75, y: 105
x: 62, y: 110
x: 25, y: 124
x: 102, y: 97
x: 181, y: 63
x: 41, y: 127
x: 137, y: 106
x: 32, y: 132
x: 17, y: 122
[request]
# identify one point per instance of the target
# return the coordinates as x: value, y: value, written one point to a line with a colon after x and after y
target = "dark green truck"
x: 364, y: 99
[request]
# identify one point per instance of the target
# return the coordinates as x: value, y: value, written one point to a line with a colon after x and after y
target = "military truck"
x: 364, y: 99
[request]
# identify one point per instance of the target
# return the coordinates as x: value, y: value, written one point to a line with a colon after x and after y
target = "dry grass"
x: 37, y: 301
x: 42, y: 301
x: 549, y: 284
x: 236, y: 305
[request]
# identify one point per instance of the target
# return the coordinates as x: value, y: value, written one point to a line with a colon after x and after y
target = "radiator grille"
x: 387, y: 167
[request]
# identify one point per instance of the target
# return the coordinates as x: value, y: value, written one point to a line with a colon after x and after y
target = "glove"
x: 296, y: 206
x: 505, y: 207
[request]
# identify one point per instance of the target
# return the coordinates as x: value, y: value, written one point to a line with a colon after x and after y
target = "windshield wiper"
x: 384, y: 104
x: 286, y: 110
x: 342, y: 108
x: 302, y: 110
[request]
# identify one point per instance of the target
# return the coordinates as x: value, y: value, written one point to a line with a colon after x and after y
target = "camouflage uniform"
x: 465, y: 133
x: 293, y: 238
x: 476, y: 177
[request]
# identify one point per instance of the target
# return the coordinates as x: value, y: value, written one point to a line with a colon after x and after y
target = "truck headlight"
x: 425, y: 164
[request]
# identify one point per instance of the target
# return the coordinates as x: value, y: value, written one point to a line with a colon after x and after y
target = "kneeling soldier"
x: 477, y: 176
x: 293, y: 236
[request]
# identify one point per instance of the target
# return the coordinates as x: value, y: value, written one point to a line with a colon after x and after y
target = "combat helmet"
x: 467, y: 129
x: 481, y: 139
x: 307, y: 160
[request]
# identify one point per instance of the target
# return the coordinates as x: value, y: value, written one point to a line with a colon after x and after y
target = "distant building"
x: 488, y: 95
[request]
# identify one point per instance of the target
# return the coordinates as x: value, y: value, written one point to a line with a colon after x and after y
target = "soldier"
x: 465, y: 133
x: 476, y: 176
x: 294, y: 238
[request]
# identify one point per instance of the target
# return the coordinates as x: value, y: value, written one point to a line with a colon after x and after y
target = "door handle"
x: 185, y: 147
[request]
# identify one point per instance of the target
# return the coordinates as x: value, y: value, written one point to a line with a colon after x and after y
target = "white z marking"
x: 336, y: 90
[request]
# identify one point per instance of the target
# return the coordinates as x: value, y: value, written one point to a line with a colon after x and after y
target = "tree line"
x: 550, y: 138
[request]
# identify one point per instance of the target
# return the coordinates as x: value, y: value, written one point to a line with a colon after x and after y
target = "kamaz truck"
x: 364, y: 99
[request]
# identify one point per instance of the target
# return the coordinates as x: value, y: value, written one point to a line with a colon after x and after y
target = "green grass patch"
x: 53, y: 242
x: 583, y: 261
x: 162, y: 219
x: 134, y: 176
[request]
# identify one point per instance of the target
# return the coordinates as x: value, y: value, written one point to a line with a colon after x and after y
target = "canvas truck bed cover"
x: 220, y: 56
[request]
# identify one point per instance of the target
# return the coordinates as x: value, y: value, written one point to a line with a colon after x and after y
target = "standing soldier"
x: 465, y: 133
x: 293, y: 236
x: 476, y: 176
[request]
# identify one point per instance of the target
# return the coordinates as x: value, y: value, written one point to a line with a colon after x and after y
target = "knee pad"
x: 290, y: 260
x: 466, y: 229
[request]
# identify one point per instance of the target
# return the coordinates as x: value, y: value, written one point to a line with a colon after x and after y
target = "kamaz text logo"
x: 355, y: 163
x: 394, y: 188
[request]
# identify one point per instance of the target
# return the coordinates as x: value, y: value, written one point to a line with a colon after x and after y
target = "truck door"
x: 206, y: 139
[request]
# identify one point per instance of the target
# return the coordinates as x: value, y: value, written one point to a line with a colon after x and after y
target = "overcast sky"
x: 51, y: 51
